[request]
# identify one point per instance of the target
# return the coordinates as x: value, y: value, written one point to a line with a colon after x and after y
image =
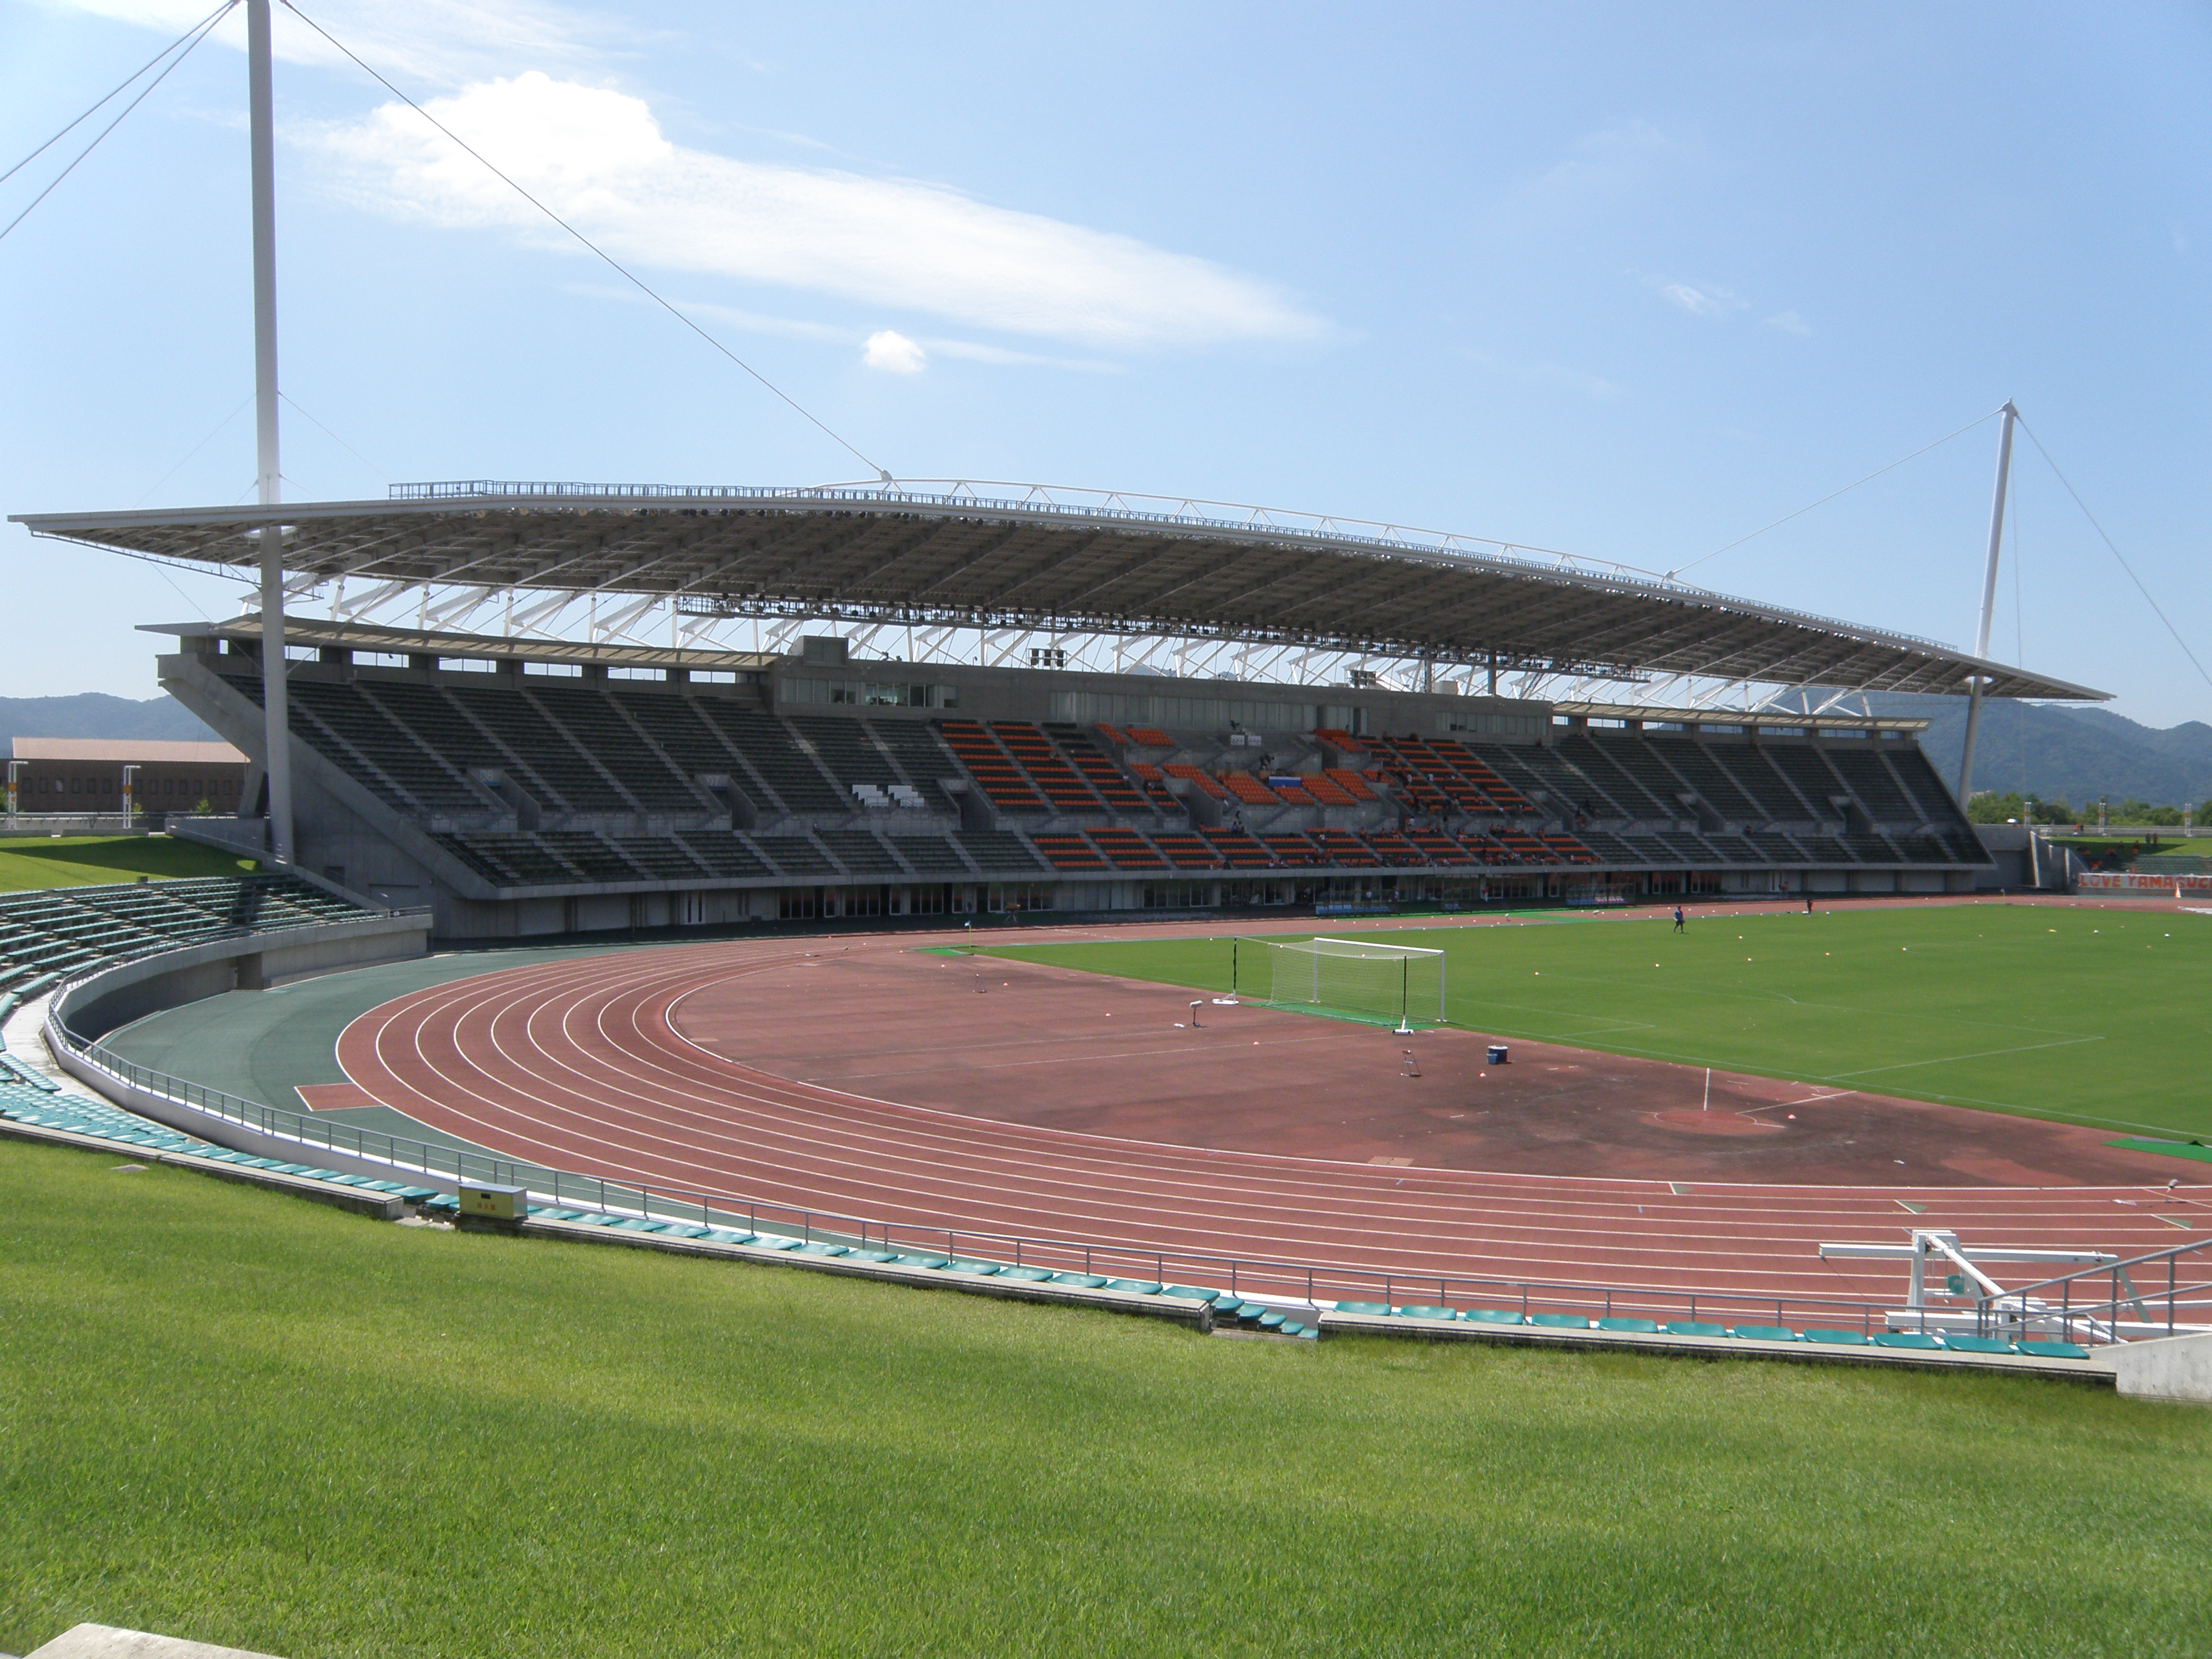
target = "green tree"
x: 1990, y: 807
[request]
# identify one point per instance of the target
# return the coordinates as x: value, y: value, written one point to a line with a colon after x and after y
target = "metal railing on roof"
x: 1184, y: 513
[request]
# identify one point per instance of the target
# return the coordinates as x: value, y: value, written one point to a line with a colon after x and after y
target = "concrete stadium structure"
x: 525, y: 787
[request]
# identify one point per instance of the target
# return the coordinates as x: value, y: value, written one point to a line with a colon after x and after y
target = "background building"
x: 85, y: 775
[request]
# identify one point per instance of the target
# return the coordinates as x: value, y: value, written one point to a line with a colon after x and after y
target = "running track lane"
x: 578, y: 1065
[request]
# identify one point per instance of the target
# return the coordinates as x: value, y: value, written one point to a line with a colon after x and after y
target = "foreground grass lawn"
x: 2101, y: 1017
x: 250, y: 1420
x: 88, y: 861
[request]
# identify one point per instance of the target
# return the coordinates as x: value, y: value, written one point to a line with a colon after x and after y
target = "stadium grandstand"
x: 526, y: 785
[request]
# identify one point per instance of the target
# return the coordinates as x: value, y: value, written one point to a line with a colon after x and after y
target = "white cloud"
x: 598, y: 157
x: 753, y: 322
x: 1601, y: 162
x: 1790, y: 323
x: 444, y: 42
x: 990, y: 354
x: 757, y: 322
x: 1701, y: 301
x: 890, y: 349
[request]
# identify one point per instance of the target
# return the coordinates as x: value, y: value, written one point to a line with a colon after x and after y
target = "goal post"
x: 1400, y: 985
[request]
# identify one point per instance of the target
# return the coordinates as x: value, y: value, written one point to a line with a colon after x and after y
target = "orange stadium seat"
x: 1069, y: 853
x: 1204, y: 780
x: 1126, y: 849
x: 1344, y: 849
x: 1059, y: 782
x: 1188, y: 852
x: 1001, y: 780
x: 1243, y: 850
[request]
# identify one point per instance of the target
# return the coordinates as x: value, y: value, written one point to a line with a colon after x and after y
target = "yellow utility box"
x: 498, y: 1203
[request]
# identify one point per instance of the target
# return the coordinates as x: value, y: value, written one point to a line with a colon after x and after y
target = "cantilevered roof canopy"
x: 893, y: 554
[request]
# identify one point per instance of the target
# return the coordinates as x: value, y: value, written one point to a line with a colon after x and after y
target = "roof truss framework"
x: 960, y: 562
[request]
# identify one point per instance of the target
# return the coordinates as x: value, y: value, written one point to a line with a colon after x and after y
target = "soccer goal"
x: 1352, y: 978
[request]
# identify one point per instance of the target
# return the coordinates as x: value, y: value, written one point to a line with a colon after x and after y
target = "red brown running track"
x: 627, y: 1067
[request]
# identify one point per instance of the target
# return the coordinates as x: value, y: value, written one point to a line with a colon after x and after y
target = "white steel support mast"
x: 1989, y: 597
x: 276, y: 728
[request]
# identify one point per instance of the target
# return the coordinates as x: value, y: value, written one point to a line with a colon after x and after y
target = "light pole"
x: 1989, y: 600
x: 276, y: 722
x: 130, y: 779
x: 14, y: 770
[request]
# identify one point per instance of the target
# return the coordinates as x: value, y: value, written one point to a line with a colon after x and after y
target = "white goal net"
x: 1352, y: 978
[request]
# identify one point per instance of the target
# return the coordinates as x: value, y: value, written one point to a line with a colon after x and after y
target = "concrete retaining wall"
x: 2166, y: 1368
x: 253, y: 961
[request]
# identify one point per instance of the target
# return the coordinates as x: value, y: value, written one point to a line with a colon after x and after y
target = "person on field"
x: 1809, y: 905
x: 1678, y: 918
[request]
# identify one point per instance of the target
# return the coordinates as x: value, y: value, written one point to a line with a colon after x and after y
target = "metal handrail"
x: 1314, y: 1281
x: 2122, y: 1274
x: 1282, y: 1279
x: 1306, y: 1280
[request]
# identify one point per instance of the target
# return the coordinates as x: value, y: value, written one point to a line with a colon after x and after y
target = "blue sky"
x: 1627, y: 280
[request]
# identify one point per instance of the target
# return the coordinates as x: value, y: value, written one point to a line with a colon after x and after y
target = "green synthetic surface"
x: 261, y: 1045
x: 2170, y: 1148
x: 26, y: 862
x: 2096, y: 1016
x: 239, y: 1417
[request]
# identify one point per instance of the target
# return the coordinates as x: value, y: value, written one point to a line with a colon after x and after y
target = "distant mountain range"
x: 2057, y: 751
x: 96, y: 715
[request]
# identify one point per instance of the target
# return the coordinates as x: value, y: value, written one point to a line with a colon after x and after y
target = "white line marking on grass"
x: 1986, y: 1054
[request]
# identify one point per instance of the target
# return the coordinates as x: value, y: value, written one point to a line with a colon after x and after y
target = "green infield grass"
x: 246, y: 1419
x: 2095, y: 1016
x: 89, y: 860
